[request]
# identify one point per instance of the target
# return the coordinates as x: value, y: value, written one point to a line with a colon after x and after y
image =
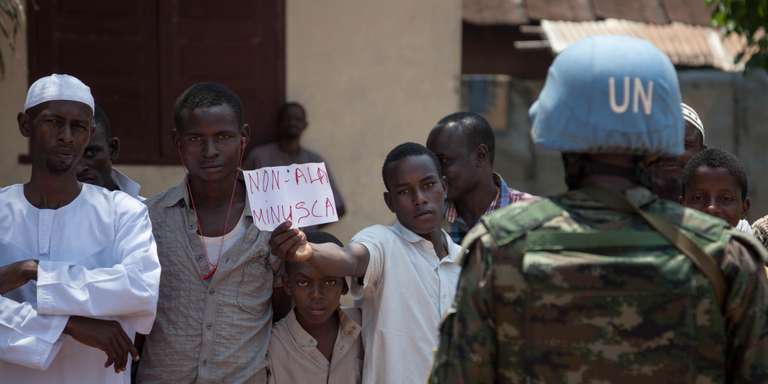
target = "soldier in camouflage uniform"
x: 571, y: 290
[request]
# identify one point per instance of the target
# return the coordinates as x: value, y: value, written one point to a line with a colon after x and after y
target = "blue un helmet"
x: 610, y: 94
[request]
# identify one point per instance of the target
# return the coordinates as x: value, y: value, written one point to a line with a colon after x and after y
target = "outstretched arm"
x: 291, y: 244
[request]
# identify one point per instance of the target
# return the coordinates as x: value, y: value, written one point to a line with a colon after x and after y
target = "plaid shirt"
x: 455, y: 225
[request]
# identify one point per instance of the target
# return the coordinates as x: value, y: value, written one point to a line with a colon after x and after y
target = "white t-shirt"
x: 214, y: 246
x: 97, y: 258
x: 405, y: 293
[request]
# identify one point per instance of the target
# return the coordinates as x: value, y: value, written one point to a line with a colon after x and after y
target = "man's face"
x: 694, y: 143
x: 316, y: 297
x: 457, y: 162
x: 95, y: 167
x: 58, y: 132
x: 667, y: 171
x: 211, y: 143
x: 293, y: 122
x: 415, y: 193
x: 716, y: 192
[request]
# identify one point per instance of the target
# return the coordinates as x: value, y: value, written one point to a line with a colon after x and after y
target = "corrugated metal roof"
x: 685, y: 44
x: 516, y: 12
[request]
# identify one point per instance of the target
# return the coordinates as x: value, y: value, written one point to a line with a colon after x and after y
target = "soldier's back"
x: 587, y: 294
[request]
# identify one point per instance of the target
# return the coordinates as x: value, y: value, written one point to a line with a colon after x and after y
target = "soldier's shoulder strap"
x: 704, y: 262
x: 703, y: 227
x: 508, y: 224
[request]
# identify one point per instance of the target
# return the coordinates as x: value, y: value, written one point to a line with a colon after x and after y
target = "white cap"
x: 690, y: 115
x: 58, y: 87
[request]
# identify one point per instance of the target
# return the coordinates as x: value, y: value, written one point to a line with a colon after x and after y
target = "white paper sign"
x: 300, y: 193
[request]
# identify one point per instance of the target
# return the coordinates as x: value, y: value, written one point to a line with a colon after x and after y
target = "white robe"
x: 97, y: 258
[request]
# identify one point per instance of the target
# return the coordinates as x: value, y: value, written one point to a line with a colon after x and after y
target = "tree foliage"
x: 11, y: 19
x: 747, y: 18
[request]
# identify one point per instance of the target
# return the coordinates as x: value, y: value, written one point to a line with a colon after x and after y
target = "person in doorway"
x: 287, y: 150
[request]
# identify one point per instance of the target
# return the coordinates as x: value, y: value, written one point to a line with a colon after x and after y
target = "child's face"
x: 716, y: 192
x: 316, y: 297
x: 416, y: 194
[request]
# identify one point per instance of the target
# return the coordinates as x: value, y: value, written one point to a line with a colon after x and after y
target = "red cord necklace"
x: 212, y: 267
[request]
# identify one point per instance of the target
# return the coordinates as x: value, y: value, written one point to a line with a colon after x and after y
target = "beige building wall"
x: 372, y: 74
x: 13, y: 89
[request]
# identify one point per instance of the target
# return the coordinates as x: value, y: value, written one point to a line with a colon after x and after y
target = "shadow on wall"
x: 731, y: 105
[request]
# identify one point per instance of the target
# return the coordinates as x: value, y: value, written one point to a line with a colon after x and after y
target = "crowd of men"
x: 644, y: 270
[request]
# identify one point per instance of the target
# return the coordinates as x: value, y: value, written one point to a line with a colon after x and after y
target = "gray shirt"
x: 214, y: 331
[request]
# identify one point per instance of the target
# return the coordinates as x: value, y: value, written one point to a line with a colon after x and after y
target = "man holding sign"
x: 408, y: 269
x: 214, y: 314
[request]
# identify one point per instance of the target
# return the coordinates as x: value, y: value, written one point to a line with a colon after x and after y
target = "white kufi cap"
x: 58, y: 87
x: 690, y: 115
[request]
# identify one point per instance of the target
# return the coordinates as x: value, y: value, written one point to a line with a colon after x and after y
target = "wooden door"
x: 138, y: 56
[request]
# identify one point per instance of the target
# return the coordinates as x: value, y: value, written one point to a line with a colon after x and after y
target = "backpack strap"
x: 705, y: 263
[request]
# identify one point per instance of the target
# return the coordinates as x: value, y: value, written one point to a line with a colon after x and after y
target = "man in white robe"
x: 79, y: 272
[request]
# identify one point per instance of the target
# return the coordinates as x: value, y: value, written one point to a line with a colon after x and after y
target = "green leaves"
x: 746, y: 18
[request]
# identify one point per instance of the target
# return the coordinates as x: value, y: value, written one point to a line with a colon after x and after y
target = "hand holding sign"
x: 299, y: 193
x: 290, y: 243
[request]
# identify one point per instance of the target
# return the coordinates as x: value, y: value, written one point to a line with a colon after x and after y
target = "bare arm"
x: 333, y: 260
x: 291, y: 244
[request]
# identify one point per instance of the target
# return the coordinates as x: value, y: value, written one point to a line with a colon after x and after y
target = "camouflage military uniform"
x: 565, y: 290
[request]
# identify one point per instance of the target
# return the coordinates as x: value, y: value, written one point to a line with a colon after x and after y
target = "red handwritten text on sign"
x: 300, y: 193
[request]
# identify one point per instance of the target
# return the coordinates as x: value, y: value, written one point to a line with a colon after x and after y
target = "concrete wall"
x: 732, y: 107
x: 371, y: 74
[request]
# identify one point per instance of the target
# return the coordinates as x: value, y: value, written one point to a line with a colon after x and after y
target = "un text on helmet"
x: 640, y: 94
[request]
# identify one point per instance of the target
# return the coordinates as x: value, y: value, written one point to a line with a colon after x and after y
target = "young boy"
x: 317, y: 342
x: 714, y: 182
x: 409, y: 269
